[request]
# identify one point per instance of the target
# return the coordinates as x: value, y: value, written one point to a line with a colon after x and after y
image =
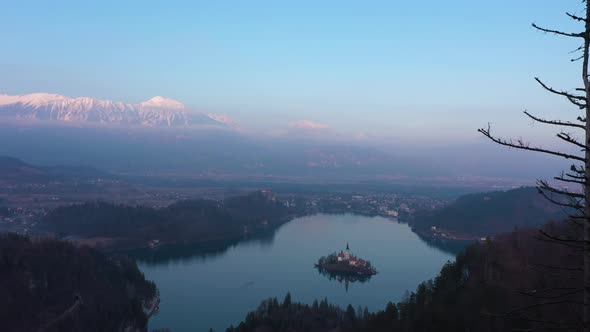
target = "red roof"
x: 340, y: 255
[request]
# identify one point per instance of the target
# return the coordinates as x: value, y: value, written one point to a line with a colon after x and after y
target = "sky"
x: 430, y: 70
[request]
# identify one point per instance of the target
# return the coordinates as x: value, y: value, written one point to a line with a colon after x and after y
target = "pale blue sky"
x: 427, y: 68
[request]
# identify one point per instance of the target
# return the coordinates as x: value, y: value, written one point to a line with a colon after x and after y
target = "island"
x: 346, y: 264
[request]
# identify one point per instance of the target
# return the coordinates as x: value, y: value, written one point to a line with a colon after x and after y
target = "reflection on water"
x: 448, y: 246
x: 215, y: 285
x: 210, y: 250
x: 179, y: 253
x: 345, y: 279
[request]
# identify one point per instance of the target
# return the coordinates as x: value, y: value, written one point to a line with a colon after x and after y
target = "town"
x: 22, y: 207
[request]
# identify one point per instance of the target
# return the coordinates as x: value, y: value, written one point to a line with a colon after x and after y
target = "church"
x: 346, y: 256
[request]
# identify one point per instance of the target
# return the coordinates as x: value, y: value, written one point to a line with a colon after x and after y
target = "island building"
x: 346, y: 257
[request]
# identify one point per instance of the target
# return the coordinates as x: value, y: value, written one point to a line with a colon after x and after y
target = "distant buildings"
x: 268, y: 194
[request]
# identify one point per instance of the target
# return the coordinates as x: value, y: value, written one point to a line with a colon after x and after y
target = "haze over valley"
x: 164, y: 137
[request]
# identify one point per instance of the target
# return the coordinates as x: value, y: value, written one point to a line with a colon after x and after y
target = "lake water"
x: 202, y: 291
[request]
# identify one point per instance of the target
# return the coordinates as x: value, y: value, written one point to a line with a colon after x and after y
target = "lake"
x: 201, y: 290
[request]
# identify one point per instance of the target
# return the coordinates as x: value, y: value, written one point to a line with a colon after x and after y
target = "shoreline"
x: 122, y: 244
x: 344, y: 269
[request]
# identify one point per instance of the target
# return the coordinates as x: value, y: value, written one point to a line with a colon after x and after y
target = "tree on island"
x: 577, y: 201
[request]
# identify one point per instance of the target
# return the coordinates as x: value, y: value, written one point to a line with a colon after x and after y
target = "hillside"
x: 47, y: 285
x: 484, y: 214
x: 14, y: 170
x: 182, y: 222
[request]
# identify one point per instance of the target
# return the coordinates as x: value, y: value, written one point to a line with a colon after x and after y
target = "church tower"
x: 347, y: 252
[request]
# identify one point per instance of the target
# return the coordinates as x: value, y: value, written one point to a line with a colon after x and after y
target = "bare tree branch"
x: 574, y: 99
x: 568, y: 138
x: 561, y: 33
x: 519, y: 144
x: 562, y: 179
x: 545, y: 186
x: 577, y: 205
x: 560, y: 239
x: 574, y: 17
x: 578, y: 169
x: 579, y: 248
x: 577, y: 59
x: 555, y: 122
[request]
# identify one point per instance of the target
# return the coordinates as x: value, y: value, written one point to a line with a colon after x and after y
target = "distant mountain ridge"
x: 155, y: 112
x: 14, y: 170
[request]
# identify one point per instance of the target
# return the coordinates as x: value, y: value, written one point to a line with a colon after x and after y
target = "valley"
x: 30, y: 194
x: 176, y: 229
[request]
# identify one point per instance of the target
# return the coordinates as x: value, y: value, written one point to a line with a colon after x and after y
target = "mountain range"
x: 155, y: 112
x: 159, y: 135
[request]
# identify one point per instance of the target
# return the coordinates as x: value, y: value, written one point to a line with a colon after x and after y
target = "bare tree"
x: 578, y: 200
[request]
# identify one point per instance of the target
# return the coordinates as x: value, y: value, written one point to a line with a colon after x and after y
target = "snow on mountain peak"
x: 224, y: 119
x: 158, y: 111
x: 163, y: 102
x: 33, y: 99
x: 308, y: 125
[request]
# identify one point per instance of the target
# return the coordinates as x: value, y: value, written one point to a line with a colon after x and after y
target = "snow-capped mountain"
x: 156, y: 112
x: 224, y: 119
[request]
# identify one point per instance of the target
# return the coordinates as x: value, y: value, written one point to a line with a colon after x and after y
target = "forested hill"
x: 491, y: 213
x: 498, y: 285
x: 13, y: 170
x: 48, y: 285
x: 182, y: 222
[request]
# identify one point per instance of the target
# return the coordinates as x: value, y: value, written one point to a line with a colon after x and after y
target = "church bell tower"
x: 347, y: 252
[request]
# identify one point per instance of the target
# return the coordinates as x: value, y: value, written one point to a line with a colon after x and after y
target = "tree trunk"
x: 586, y: 285
x: 587, y: 258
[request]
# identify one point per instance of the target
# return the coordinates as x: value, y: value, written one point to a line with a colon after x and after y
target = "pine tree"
x: 350, y: 314
x: 287, y: 300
